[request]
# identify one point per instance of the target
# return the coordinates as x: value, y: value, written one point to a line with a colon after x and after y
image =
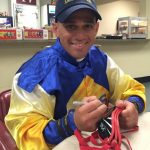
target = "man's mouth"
x: 79, y: 45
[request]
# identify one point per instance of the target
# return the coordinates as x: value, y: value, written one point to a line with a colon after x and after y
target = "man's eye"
x: 89, y: 26
x: 70, y: 27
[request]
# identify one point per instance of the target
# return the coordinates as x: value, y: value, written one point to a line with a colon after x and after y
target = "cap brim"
x: 64, y: 16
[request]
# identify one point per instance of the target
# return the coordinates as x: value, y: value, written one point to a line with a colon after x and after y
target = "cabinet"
x: 133, y: 27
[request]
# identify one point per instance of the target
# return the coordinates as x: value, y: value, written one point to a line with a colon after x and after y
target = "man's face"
x: 78, y: 33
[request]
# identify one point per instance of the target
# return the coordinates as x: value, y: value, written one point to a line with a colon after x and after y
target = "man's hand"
x: 129, y: 116
x: 87, y: 115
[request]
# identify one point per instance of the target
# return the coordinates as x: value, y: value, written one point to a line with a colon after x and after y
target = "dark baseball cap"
x: 64, y: 8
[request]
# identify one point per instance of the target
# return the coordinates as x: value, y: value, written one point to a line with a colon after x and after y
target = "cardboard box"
x: 35, y: 34
x: 45, y: 34
x: 10, y: 34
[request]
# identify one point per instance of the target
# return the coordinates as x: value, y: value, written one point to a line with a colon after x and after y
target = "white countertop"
x: 139, y: 140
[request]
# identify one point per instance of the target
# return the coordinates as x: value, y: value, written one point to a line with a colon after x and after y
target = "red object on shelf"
x: 10, y: 34
x: 35, y: 34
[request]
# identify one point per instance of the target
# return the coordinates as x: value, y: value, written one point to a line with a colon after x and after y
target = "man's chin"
x: 79, y: 56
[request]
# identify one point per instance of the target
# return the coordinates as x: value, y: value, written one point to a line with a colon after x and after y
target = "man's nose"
x: 81, y: 33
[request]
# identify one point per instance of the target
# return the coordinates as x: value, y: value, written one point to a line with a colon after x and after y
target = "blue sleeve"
x: 139, y: 102
x: 35, y: 69
x: 57, y: 131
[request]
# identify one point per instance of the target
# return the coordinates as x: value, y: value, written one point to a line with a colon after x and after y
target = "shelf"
x: 26, y: 41
x: 42, y: 43
x: 138, y: 26
x: 135, y: 39
x: 53, y: 40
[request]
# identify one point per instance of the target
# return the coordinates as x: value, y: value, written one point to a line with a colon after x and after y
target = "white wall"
x: 131, y: 55
x: 12, y: 55
x: 111, y: 11
x: 4, y: 6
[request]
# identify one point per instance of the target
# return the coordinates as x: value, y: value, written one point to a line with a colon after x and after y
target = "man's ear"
x: 55, y: 29
x: 97, y: 26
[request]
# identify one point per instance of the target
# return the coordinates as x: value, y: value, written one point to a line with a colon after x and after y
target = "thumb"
x: 120, y: 104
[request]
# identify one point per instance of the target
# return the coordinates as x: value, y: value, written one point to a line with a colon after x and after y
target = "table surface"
x: 139, y: 140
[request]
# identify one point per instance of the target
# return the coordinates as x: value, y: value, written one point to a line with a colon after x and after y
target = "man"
x: 41, y: 113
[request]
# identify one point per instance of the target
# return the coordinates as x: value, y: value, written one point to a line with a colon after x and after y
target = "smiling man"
x: 41, y: 113
x: 77, y: 33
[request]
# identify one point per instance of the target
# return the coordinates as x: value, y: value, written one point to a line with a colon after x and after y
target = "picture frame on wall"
x: 27, y: 2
